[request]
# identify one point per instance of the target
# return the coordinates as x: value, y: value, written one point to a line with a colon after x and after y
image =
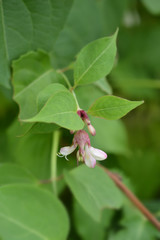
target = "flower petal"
x: 90, y: 161
x: 97, y: 153
x: 67, y: 150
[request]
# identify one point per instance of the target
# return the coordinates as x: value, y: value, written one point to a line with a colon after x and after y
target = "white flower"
x: 85, y: 153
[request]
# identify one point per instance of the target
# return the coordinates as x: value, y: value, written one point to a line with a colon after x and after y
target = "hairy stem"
x: 55, y: 144
x: 132, y: 198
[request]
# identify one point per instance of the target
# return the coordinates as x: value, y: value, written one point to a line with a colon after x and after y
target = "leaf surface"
x: 60, y: 109
x: 94, y: 190
x: 31, y: 214
x: 112, y: 107
x: 95, y: 60
x: 28, y: 25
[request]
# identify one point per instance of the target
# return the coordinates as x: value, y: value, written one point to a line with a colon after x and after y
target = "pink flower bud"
x: 91, y: 130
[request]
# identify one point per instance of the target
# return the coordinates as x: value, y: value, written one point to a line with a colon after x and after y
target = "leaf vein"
x: 23, y: 226
x: 96, y: 59
x: 109, y: 108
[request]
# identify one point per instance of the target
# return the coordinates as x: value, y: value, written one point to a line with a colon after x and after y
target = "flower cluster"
x: 86, y: 153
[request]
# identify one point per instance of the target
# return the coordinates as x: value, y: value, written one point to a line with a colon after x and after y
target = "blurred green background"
x: 133, y: 143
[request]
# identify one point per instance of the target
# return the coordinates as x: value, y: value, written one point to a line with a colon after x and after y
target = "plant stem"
x: 55, y: 144
x: 138, y: 204
x: 70, y: 87
x: 132, y: 198
x: 74, y: 95
x: 67, y: 68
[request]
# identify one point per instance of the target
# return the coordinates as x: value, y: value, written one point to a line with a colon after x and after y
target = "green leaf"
x: 95, y: 60
x: 41, y: 128
x: 93, y: 189
x: 4, y: 58
x: 42, y: 97
x: 12, y: 173
x: 60, y: 109
x: 89, y: 229
x: 31, y: 73
x: 28, y: 25
x: 84, y: 99
x: 29, y: 213
x: 111, y: 107
x: 104, y: 86
x: 31, y: 151
x: 104, y: 15
x: 152, y: 6
x: 47, y: 92
x: 135, y: 226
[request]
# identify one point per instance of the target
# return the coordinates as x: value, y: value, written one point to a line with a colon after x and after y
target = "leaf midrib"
x: 109, y: 108
x: 96, y: 59
x: 50, y: 115
x: 23, y: 226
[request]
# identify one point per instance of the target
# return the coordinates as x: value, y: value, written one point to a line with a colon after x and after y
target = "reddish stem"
x: 132, y: 198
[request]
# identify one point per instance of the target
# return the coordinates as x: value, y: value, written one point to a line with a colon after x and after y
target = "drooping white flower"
x: 85, y: 153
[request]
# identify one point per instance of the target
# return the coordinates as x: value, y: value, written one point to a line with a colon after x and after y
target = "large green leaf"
x: 111, y: 107
x: 47, y: 92
x: 27, y: 25
x: 32, y: 73
x: 12, y: 173
x: 60, y: 109
x: 32, y: 214
x: 95, y: 60
x: 31, y: 151
x: 94, y: 190
x: 42, y: 97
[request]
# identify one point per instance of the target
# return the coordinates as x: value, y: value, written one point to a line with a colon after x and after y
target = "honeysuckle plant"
x: 49, y: 102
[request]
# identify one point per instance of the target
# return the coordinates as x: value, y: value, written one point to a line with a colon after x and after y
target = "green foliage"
x: 53, y: 72
x: 91, y: 194
x: 104, y: 86
x: 20, y: 206
x: 37, y: 148
x: 95, y: 60
x: 89, y: 229
x: 27, y: 25
x: 61, y: 109
x: 111, y: 107
x: 135, y: 226
x: 111, y: 136
x: 12, y: 173
x: 31, y: 73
